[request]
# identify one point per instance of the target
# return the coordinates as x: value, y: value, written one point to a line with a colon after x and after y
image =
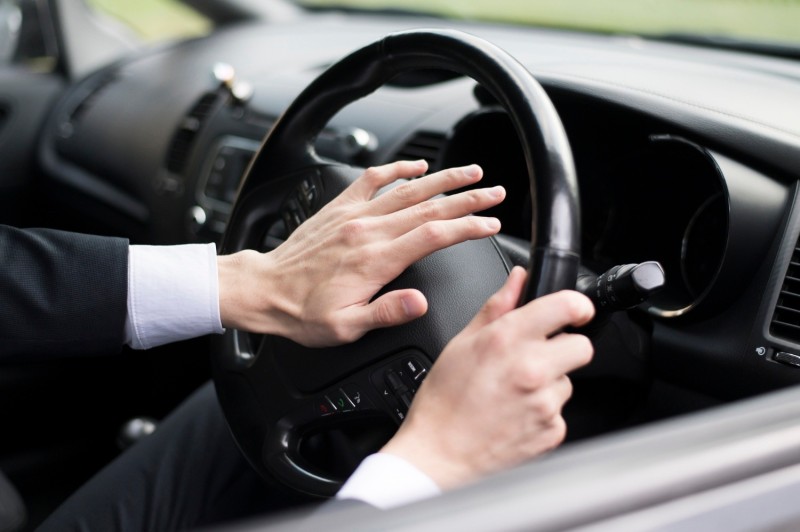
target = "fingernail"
x: 496, y: 192
x: 493, y: 224
x: 472, y: 170
x: 412, y: 307
x: 406, y: 306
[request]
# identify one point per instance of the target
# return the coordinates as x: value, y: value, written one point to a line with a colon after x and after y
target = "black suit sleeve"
x: 61, y: 293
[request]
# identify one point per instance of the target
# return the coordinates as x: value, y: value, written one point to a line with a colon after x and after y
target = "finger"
x: 446, y: 208
x: 419, y: 190
x: 374, y: 178
x: 537, y: 366
x: 433, y: 236
x: 562, y: 391
x: 394, y: 308
x: 547, y: 401
x: 555, y: 433
x: 565, y: 353
x: 554, y: 428
x: 549, y: 314
x: 501, y: 302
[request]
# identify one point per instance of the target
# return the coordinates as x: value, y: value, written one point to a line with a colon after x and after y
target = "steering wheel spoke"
x: 365, y: 405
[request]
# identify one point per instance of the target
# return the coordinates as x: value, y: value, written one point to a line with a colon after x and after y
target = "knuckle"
x: 573, y: 307
x: 325, y: 325
x: 567, y: 387
x: 495, y: 343
x: 384, y: 314
x: 473, y: 199
x: 531, y: 374
x: 434, y: 233
x: 557, y: 432
x: 373, y: 175
x: 429, y: 210
x: 405, y: 192
x: 477, y: 225
x: 586, y: 348
x: 353, y: 230
x: 582, y: 348
x: 494, y: 303
x: 342, y: 334
x: 547, y: 409
x: 453, y: 176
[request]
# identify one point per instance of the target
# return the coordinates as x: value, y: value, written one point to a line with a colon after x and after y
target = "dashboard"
x: 688, y: 156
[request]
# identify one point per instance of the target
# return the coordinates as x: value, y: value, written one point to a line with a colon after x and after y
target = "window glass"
x: 27, y: 37
x: 155, y: 20
x: 761, y: 20
x: 10, y: 23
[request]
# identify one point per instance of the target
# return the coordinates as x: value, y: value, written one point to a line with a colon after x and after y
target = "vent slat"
x: 182, y: 140
x: 794, y: 328
x: 423, y: 145
x: 786, y: 314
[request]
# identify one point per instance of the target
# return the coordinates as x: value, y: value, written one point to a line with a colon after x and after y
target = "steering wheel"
x: 305, y: 417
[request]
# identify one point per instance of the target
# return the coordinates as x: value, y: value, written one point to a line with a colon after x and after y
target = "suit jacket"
x: 61, y: 293
x: 12, y: 510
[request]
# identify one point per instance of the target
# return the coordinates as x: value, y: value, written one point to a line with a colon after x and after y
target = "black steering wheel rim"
x: 288, y: 154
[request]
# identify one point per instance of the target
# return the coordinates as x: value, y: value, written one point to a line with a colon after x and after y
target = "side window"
x: 27, y: 36
x: 10, y: 22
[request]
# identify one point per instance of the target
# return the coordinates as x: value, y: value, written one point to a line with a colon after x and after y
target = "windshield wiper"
x: 774, y: 49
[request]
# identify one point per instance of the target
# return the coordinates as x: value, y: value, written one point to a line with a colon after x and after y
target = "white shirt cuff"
x: 173, y: 294
x: 384, y: 481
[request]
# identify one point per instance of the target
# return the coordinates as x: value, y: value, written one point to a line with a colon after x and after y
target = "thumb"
x: 395, y: 308
x: 502, y: 301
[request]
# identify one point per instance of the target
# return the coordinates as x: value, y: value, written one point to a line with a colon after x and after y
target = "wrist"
x: 249, y: 298
x: 429, y: 458
x: 229, y: 269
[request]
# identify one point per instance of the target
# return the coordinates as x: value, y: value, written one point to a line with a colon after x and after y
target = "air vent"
x: 786, y: 319
x: 423, y: 145
x: 184, y: 137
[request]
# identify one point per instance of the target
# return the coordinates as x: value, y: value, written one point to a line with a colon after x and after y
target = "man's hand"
x: 494, y: 397
x: 316, y: 287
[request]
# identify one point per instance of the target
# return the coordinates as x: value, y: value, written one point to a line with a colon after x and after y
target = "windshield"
x: 766, y: 21
x: 154, y: 20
